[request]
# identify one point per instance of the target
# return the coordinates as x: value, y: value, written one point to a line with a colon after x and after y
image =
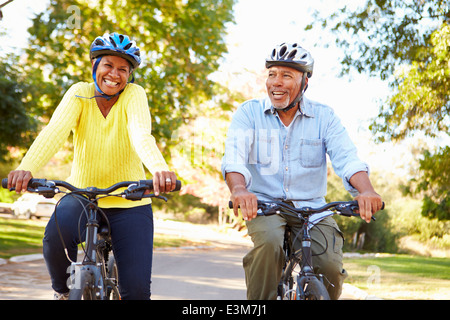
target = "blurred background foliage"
x: 404, y: 42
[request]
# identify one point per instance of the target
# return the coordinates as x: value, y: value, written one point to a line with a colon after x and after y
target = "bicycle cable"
x: 57, y: 225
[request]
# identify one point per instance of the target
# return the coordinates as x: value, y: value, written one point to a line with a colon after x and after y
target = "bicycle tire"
x: 111, y: 284
x: 287, y: 289
x: 315, y: 290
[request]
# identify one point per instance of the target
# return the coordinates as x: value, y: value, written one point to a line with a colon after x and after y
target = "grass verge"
x: 401, y: 276
x: 19, y: 237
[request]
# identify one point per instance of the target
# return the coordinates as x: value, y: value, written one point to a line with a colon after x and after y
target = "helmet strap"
x: 299, y: 96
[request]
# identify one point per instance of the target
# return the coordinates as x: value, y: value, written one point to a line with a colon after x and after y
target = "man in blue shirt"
x: 276, y: 149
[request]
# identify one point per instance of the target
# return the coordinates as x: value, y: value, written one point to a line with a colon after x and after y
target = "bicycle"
x: 302, y: 284
x: 95, y: 277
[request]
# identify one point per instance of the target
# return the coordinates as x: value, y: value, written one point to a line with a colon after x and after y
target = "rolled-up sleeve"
x: 343, y: 153
x: 240, y: 138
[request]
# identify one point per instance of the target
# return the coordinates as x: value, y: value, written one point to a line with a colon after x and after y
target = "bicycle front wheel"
x: 315, y: 290
x: 111, y: 282
x: 82, y: 288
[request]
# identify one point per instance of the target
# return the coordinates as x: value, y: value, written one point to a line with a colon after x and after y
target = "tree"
x: 407, y: 43
x: 182, y: 43
x: 16, y: 109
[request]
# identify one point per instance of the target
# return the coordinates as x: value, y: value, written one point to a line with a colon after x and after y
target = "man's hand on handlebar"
x: 369, y: 203
x: 246, y: 202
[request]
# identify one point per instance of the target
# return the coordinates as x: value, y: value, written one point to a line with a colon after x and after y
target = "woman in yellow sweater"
x: 111, y: 126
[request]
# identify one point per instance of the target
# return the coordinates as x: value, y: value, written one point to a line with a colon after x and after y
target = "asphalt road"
x: 210, y: 272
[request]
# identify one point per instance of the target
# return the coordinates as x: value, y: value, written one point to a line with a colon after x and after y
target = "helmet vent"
x: 113, y: 42
x: 274, y: 52
x: 283, y: 51
x: 292, y: 54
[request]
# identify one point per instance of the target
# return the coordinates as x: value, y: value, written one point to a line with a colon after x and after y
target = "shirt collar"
x: 305, y: 108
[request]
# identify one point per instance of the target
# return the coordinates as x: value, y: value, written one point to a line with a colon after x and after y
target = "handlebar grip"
x: 177, y: 186
x: 5, y: 183
x: 230, y: 204
x: 149, y: 183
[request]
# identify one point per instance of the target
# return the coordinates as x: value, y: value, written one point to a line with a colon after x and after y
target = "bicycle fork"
x: 86, y: 274
x: 307, y: 271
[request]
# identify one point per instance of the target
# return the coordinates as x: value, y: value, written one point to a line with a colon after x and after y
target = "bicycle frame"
x: 302, y: 257
x: 315, y: 288
x: 88, y: 278
x: 90, y: 269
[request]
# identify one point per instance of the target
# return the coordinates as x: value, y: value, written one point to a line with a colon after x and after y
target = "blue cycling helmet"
x: 116, y: 45
x: 113, y: 45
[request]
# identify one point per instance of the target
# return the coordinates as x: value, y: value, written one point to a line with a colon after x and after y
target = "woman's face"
x: 112, y: 74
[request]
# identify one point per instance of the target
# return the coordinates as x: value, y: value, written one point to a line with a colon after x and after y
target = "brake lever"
x: 46, y: 188
x: 347, y: 210
x: 135, y: 193
x: 268, y: 209
x: 155, y: 196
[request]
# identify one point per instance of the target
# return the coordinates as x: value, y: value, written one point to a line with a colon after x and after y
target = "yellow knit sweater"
x: 106, y: 150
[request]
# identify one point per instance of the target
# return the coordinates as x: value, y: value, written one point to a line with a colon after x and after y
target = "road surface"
x: 210, y: 272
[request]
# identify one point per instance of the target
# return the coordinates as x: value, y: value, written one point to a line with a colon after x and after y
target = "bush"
x: 6, y: 196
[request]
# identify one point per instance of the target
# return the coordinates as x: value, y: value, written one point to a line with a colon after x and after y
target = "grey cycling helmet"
x: 293, y: 56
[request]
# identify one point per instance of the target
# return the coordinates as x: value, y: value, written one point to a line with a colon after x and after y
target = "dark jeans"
x: 132, y: 239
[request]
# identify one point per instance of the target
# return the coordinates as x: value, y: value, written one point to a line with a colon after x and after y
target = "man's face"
x: 283, y: 84
x: 112, y: 74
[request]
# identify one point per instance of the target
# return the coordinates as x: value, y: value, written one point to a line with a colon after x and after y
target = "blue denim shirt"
x: 289, y: 163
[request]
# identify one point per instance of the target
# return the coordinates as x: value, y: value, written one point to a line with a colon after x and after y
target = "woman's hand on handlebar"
x: 19, y: 179
x: 163, y: 181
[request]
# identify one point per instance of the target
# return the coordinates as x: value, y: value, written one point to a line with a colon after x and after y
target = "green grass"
x: 401, y: 276
x: 19, y: 237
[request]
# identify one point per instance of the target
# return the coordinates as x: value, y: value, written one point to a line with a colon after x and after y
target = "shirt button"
x: 286, y: 147
x: 286, y: 168
x: 287, y: 189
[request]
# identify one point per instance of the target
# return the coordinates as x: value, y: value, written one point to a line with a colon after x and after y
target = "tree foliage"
x: 434, y: 184
x: 381, y: 34
x: 16, y: 111
x: 182, y: 43
x: 421, y: 101
x: 408, y: 44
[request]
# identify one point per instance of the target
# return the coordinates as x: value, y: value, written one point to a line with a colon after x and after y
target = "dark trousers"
x: 132, y: 239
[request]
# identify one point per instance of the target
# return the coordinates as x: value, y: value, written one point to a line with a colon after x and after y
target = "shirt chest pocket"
x: 312, y: 153
x: 265, y: 150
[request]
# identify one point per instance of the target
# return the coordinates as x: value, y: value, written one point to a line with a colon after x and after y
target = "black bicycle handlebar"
x: 345, y: 208
x: 48, y: 188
